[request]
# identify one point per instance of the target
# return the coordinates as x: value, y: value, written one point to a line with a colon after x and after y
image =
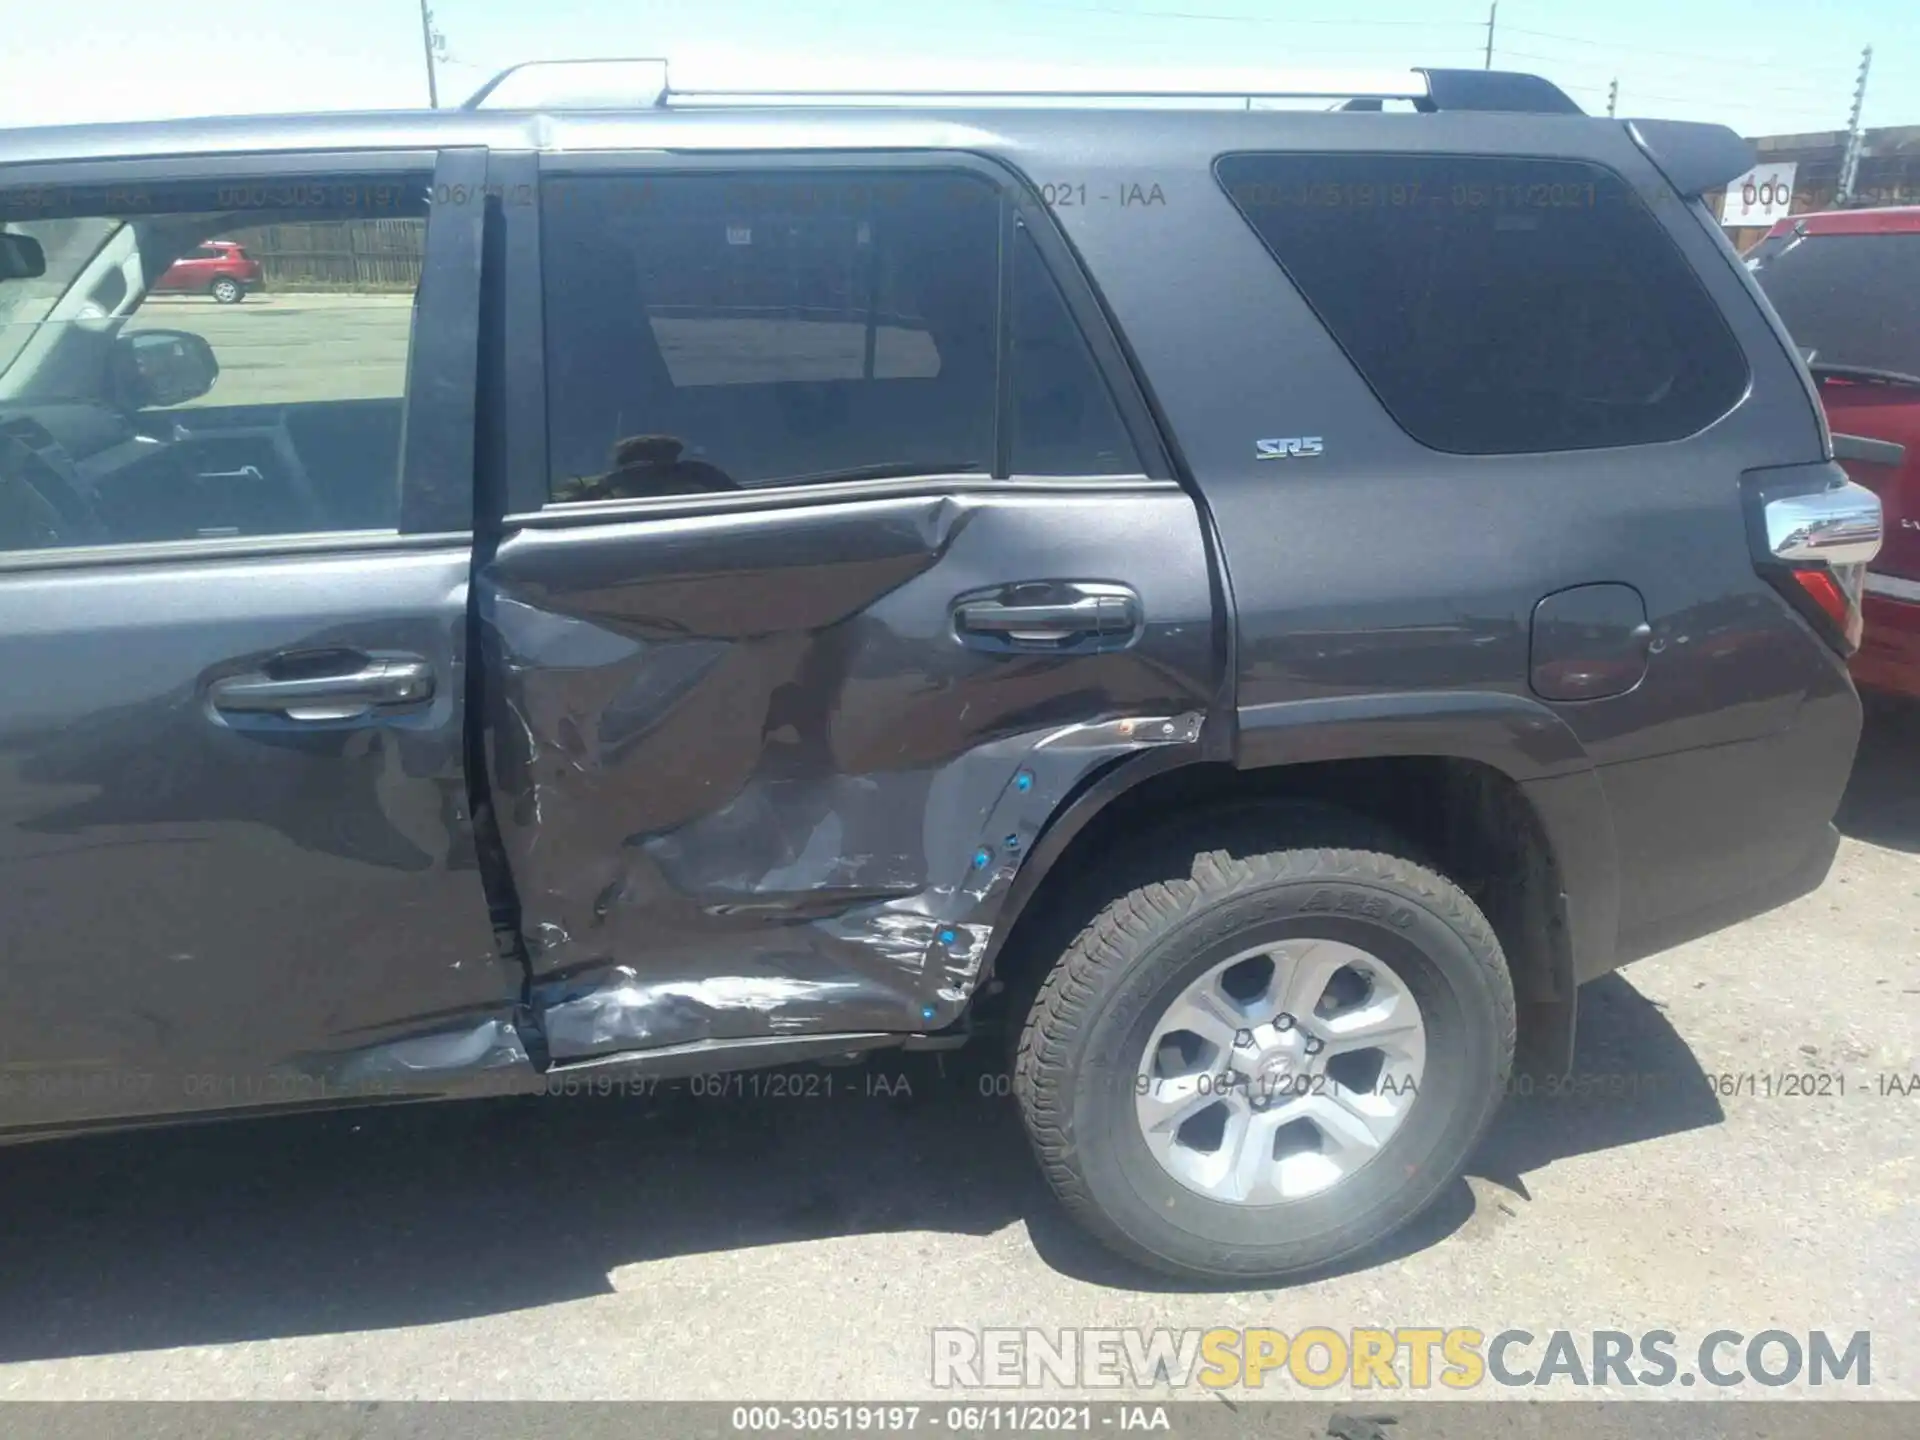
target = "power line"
x: 1772, y: 86
x: 1649, y: 95
x: 1381, y: 46
x: 1131, y: 13
x: 1714, y: 104
x: 1645, y: 50
x: 1486, y: 25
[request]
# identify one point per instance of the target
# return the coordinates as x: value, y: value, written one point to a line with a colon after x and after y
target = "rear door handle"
x: 371, y: 684
x: 1048, y: 616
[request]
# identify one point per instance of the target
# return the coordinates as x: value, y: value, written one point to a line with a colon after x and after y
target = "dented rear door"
x: 841, y: 552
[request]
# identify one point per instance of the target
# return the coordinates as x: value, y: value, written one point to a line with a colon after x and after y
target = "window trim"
x: 1637, y: 192
x: 1112, y: 361
x: 1005, y: 380
x: 188, y: 169
x: 428, y: 526
x: 525, y: 333
x: 226, y: 547
x: 511, y: 460
x: 559, y: 514
x: 437, y: 432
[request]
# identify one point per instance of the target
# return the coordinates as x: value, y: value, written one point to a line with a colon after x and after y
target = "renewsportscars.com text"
x: 1403, y: 1358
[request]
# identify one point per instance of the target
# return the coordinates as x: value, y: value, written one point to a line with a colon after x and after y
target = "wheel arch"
x: 1494, y: 789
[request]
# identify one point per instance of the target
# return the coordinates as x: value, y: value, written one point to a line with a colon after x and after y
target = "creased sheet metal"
x: 752, y: 783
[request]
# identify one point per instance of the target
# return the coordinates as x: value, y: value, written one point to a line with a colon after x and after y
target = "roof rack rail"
x: 644, y: 83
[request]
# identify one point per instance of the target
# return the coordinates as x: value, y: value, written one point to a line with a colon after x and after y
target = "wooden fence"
x: 361, y: 255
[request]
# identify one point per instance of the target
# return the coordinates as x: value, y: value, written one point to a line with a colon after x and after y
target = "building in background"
x: 1889, y: 174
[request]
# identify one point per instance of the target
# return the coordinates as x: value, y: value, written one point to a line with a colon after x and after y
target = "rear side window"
x: 1497, y: 305
x: 715, y: 332
x: 1851, y: 302
x: 720, y: 332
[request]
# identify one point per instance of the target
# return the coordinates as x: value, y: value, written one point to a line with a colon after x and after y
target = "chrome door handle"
x: 1034, y: 622
x: 372, y: 684
x: 1048, y: 615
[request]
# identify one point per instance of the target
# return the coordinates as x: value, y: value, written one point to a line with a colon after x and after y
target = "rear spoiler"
x: 1694, y: 157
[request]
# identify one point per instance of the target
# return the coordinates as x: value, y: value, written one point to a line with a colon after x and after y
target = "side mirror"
x: 21, y: 258
x: 162, y: 367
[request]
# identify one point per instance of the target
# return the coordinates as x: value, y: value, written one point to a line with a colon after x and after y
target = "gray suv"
x: 1261, y: 602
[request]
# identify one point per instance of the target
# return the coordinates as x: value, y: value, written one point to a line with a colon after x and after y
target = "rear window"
x: 1849, y: 301
x: 1497, y: 305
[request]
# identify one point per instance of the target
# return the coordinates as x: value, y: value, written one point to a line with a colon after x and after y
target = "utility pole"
x: 1850, y: 160
x: 427, y: 38
x: 1613, y: 96
x: 1493, y: 13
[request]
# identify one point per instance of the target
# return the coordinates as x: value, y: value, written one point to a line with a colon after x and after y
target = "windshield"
x: 24, y: 304
x: 1851, y: 301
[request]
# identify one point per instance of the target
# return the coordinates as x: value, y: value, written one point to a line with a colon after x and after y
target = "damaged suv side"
x: 1262, y: 603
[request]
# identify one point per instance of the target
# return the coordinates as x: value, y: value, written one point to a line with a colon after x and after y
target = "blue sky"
x: 1763, y: 66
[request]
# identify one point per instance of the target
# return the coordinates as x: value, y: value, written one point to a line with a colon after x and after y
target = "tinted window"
x: 133, y: 409
x: 1064, y: 418
x: 1848, y: 300
x: 1497, y: 305
x: 713, y: 332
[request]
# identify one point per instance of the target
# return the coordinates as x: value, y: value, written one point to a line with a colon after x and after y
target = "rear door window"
x: 721, y: 332
x: 717, y: 332
x: 1497, y: 305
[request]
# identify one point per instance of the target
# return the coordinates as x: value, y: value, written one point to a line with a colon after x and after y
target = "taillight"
x: 1814, y: 532
x: 1838, y: 596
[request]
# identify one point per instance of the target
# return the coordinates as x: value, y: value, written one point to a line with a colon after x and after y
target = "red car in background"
x: 220, y: 268
x: 1847, y: 284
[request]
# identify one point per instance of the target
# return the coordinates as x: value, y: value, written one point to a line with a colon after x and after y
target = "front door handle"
x: 363, y: 685
x: 1048, y: 616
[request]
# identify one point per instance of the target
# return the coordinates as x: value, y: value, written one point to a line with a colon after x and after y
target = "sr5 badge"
x: 1294, y: 447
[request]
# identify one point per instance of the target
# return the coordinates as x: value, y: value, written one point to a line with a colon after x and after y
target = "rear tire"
x: 227, y: 291
x: 1083, y: 1059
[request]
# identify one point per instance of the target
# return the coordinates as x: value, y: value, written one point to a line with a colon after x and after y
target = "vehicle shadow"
x: 1882, y: 803
x: 392, y: 1217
